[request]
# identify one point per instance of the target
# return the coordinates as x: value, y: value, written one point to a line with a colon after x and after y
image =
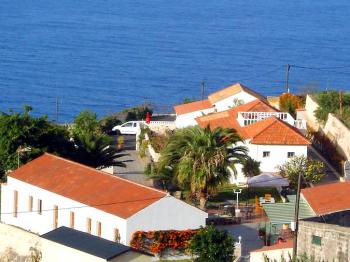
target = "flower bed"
x: 158, y: 242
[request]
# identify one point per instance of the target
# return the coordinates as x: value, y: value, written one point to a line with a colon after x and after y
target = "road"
x: 135, y: 165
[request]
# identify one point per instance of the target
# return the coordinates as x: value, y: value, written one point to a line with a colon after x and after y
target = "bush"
x: 328, y: 102
x: 157, y: 242
x: 289, y: 103
x: 210, y: 245
x: 251, y: 168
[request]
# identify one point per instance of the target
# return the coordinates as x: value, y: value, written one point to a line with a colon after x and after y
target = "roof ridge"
x: 292, y: 128
x: 101, y: 172
x: 272, y: 117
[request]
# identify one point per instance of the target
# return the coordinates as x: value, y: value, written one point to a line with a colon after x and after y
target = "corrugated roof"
x: 328, y: 198
x: 87, y: 185
x: 283, y: 213
x: 192, y: 107
x: 230, y: 91
x: 86, y: 243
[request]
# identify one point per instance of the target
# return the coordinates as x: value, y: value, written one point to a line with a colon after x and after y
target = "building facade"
x: 50, y: 192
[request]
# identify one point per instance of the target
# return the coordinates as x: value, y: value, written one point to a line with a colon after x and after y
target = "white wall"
x: 228, y: 103
x: 278, y: 155
x: 168, y: 213
x: 40, y: 224
x: 188, y: 119
x: 274, y: 255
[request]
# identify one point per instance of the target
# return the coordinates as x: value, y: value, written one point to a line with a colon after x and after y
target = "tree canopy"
x: 202, y: 159
x: 212, y: 245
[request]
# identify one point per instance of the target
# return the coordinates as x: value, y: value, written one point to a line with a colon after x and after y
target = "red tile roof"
x: 273, y: 131
x: 329, y: 198
x: 230, y: 91
x: 87, y: 185
x: 270, y: 131
x: 281, y: 245
x: 192, y: 107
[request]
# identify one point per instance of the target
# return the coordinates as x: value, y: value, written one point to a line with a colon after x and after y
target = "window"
x: 266, y: 153
x: 30, y: 204
x: 135, y: 124
x: 15, y: 203
x: 127, y: 125
x: 98, y: 229
x: 55, y: 216
x: 71, y: 219
x: 316, y: 240
x: 116, y: 235
x: 290, y: 154
x: 40, y: 206
x: 88, y: 225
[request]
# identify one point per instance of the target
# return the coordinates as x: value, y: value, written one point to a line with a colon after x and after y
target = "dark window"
x: 316, y: 240
x: 290, y: 154
x: 266, y: 153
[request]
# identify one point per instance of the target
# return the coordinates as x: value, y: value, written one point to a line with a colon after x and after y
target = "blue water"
x: 111, y: 54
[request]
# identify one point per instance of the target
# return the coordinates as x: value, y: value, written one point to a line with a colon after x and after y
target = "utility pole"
x: 202, y: 90
x: 341, y: 103
x: 287, y: 77
x: 57, y: 109
x: 296, y: 219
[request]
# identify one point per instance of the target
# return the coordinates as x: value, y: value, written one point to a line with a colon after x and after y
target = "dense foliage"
x: 312, y: 170
x: 92, y: 147
x: 21, y: 130
x: 158, y: 242
x: 202, y: 159
x: 24, y: 137
x: 212, y: 245
x: 289, y: 103
x: 251, y: 168
x: 328, y: 102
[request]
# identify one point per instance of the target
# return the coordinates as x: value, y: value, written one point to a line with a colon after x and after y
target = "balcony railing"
x: 247, y: 118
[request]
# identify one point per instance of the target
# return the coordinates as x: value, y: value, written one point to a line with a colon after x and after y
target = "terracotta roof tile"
x: 192, y: 107
x: 228, y: 118
x: 230, y: 91
x: 281, y: 245
x: 270, y: 131
x: 87, y: 185
x: 329, y: 198
x: 273, y: 131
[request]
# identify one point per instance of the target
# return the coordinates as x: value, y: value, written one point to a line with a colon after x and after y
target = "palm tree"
x: 203, y: 159
x: 97, y: 151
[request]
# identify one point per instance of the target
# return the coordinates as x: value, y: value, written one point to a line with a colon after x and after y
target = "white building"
x: 221, y: 100
x: 279, y: 252
x: 50, y: 192
x: 267, y: 133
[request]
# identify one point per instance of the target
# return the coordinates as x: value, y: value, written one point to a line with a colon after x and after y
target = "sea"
x: 62, y: 57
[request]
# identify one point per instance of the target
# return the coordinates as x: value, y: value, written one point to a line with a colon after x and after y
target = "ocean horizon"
x: 106, y: 56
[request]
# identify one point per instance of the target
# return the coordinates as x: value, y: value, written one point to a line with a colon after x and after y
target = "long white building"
x: 50, y: 192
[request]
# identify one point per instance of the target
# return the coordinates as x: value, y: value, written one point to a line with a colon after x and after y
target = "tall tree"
x: 19, y: 130
x: 203, y: 159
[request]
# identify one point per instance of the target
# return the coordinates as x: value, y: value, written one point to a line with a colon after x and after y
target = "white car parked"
x: 128, y: 128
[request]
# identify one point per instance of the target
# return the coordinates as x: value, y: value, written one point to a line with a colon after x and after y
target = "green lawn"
x: 247, y: 195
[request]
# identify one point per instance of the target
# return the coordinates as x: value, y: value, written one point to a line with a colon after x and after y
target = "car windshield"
x: 127, y: 125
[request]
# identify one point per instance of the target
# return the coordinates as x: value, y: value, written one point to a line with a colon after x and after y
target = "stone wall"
x: 334, y: 129
x: 334, y: 241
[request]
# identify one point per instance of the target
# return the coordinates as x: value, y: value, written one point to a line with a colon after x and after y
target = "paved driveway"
x: 249, y: 233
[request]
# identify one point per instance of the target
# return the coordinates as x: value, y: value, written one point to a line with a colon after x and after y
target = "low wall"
x: 16, y: 245
x: 334, y: 129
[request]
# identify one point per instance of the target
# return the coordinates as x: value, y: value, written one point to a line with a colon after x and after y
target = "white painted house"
x: 268, y: 134
x: 221, y: 100
x: 50, y: 192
